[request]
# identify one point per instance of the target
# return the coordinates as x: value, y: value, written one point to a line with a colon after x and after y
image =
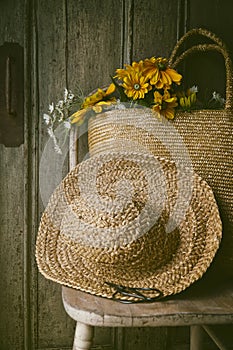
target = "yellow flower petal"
x: 111, y: 89
x: 182, y: 102
x: 169, y: 113
x: 97, y: 109
x: 151, y: 69
x: 176, y: 77
x: 158, y: 98
x: 165, y: 104
x: 78, y: 116
x: 105, y: 103
x: 193, y: 98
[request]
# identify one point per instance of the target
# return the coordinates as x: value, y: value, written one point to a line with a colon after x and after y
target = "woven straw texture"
x: 107, y: 222
x: 207, y: 134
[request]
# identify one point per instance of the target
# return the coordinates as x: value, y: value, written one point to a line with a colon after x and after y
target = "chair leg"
x: 83, y: 336
x: 196, y: 338
x: 211, y: 333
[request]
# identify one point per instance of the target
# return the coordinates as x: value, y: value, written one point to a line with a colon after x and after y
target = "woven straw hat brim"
x: 150, y: 258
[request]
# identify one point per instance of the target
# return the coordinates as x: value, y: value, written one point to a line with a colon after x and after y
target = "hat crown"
x: 118, y: 210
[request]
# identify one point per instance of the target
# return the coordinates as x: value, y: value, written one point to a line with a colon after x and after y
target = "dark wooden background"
x: 68, y: 42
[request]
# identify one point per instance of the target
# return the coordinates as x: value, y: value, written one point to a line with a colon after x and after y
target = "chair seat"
x: 206, y: 304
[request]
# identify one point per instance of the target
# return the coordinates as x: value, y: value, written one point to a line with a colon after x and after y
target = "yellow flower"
x: 159, y: 73
x: 94, y: 102
x: 136, y: 86
x: 99, y: 95
x: 188, y: 99
x: 165, y: 104
x: 166, y: 78
x: 187, y: 102
x: 98, y: 107
x: 136, y: 80
x: 130, y: 69
x: 151, y: 68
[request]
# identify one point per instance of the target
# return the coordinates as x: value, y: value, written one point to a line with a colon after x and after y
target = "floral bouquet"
x: 151, y: 83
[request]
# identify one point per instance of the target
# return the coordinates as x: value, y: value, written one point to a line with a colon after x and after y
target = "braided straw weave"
x: 107, y: 223
x: 207, y: 134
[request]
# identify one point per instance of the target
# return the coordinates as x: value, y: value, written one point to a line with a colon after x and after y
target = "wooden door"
x: 69, y: 42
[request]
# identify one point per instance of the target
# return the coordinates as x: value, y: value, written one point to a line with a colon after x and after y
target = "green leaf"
x: 120, y: 89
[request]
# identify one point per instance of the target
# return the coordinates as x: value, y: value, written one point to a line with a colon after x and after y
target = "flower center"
x: 161, y: 66
x: 136, y: 87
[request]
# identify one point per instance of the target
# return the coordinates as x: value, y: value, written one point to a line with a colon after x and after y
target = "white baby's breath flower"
x: 60, y: 104
x: 51, y: 108
x: 67, y: 125
x: 50, y: 132
x: 65, y: 94
x: 214, y: 97
x: 70, y: 96
x: 53, y: 137
x: 57, y: 148
x: 217, y: 97
x: 46, y: 118
x: 193, y: 89
x: 60, y: 112
x: 119, y: 105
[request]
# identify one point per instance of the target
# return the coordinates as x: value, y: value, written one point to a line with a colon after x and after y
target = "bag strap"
x: 194, y: 32
x: 220, y: 47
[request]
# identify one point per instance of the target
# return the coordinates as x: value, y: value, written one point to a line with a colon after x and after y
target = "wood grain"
x: 199, y: 304
x: 83, y: 42
x: 94, y: 52
x: 154, y: 28
x: 216, y: 17
x: 12, y: 230
x: 95, y: 37
x: 11, y: 243
x: 55, y: 329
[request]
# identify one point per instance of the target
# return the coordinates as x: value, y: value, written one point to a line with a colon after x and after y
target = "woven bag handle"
x: 194, y: 32
x: 228, y: 66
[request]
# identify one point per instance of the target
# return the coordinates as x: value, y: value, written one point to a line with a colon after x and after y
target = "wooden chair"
x: 201, y: 306
x: 207, y: 302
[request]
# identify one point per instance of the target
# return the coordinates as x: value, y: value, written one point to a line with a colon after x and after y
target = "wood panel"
x: 154, y: 28
x: 54, y: 327
x: 80, y: 52
x: 11, y: 243
x: 95, y: 41
x: 94, y: 52
x: 12, y: 203
x: 149, y: 35
x: 216, y: 17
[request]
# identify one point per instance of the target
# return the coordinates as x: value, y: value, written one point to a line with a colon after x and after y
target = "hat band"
x: 134, y: 295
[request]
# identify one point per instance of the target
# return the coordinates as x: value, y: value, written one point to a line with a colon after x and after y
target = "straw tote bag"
x: 207, y: 135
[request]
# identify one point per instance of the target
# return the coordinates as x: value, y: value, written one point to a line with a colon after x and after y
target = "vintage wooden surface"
x: 203, y: 303
x: 67, y: 42
x: 200, y: 304
x: 12, y: 210
x: 149, y: 31
x: 51, y: 64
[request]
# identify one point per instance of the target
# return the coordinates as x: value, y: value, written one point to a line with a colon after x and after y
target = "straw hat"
x: 129, y: 226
